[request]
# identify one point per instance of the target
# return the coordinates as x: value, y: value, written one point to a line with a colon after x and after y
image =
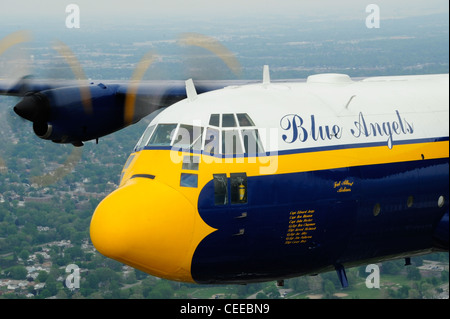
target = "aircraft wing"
x: 77, y: 111
x: 27, y: 85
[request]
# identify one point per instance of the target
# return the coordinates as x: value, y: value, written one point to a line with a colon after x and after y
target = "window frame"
x: 193, y: 142
x: 140, y: 144
x: 175, y: 130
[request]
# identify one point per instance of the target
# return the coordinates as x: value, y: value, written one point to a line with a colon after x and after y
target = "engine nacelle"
x: 74, y: 114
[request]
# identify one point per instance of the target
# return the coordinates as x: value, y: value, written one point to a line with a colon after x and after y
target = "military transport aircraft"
x: 249, y: 182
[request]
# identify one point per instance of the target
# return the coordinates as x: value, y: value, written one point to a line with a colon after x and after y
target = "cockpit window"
x: 189, y: 137
x: 163, y: 135
x: 227, y: 134
x: 214, y: 120
x: 232, y: 139
x: 144, y: 139
x: 228, y: 120
x: 244, y: 119
x: 220, y: 189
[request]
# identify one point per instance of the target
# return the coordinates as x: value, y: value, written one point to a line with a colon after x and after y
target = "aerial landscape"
x: 48, y: 191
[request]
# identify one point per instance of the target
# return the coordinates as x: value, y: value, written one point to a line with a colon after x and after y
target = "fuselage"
x: 270, y: 181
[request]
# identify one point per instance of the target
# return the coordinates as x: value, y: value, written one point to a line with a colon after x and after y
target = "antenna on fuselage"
x: 190, y: 90
x: 266, y: 75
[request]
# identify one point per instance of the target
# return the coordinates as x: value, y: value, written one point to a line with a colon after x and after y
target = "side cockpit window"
x: 236, y: 185
x: 144, y: 139
x: 163, y: 135
x: 220, y: 189
x: 244, y: 120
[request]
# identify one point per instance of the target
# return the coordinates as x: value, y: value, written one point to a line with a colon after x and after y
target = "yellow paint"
x: 241, y: 192
x: 166, y: 165
x: 150, y: 226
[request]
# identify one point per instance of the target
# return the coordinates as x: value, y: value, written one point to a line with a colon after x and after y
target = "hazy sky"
x: 116, y: 11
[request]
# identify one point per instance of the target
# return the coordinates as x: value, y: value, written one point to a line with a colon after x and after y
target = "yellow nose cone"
x: 147, y: 225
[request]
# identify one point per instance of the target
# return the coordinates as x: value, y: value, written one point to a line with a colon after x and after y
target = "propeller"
x: 138, y: 74
x: 78, y: 71
x: 39, y: 105
x: 215, y: 47
x: 135, y: 107
x: 12, y: 40
x: 35, y: 106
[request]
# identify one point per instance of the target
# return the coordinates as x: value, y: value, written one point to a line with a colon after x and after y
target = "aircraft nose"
x: 147, y: 225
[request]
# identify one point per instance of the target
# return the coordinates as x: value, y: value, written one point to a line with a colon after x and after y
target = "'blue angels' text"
x: 298, y: 129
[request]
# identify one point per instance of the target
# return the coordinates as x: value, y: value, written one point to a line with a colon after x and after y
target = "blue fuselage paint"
x: 298, y: 223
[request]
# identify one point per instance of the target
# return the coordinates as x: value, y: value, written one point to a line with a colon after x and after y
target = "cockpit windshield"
x: 226, y: 134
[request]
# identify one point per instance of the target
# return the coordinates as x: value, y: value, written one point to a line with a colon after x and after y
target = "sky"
x: 119, y: 11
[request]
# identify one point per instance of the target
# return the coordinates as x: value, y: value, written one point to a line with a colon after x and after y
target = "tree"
x: 131, y: 278
x: 299, y: 284
x: 261, y: 295
x: 328, y: 288
x: 24, y: 254
x: 17, y: 272
x: 42, y: 276
x: 61, y: 294
x: 50, y: 285
x: 444, y: 276
x: 74, y: 252
x: 391, y: 267
x: 413, y: 273
x: 272, y: 292
x: 40, y: 258
x: 414, y: 294
x: 403, y: 292
x: 161, y: 292
x: 45, y: 293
